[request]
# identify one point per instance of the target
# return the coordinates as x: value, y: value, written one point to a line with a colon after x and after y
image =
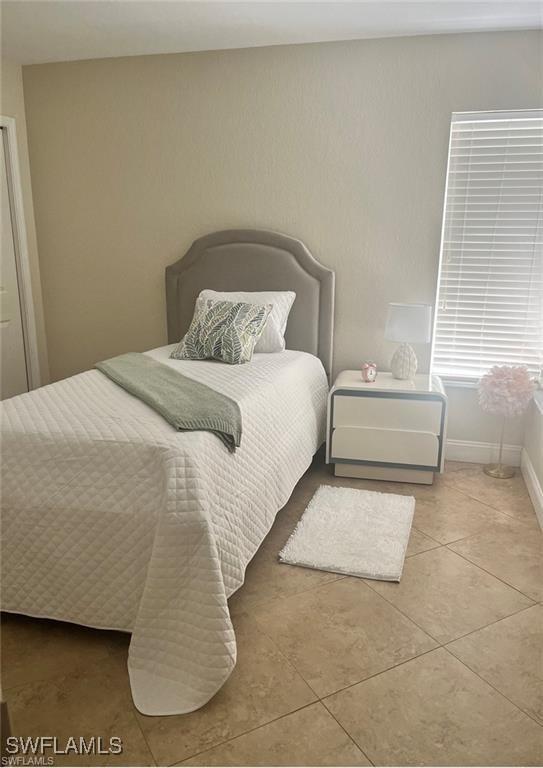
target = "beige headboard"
x: 256, y: 260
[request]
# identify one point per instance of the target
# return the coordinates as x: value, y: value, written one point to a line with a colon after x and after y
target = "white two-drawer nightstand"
x: 388, y: 429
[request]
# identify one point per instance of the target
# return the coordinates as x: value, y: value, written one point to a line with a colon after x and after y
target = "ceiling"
x: 62, y: 30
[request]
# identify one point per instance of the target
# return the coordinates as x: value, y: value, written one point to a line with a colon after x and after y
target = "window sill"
x: 452, y: 383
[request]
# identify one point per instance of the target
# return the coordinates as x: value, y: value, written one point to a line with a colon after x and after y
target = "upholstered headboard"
x: 256, y: 260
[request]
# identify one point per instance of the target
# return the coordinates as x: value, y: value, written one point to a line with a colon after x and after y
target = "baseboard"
x: 533, y: 485
x: 481, y: 453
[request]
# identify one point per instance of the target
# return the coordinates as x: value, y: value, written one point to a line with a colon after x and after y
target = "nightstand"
x: 388, y: 429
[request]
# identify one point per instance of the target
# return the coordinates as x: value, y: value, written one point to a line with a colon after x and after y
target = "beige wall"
x: 468, y: 422
x: 12, y: 105
x: 341, y: 144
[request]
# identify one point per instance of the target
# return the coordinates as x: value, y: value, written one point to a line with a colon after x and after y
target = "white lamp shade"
x: 411, y: 323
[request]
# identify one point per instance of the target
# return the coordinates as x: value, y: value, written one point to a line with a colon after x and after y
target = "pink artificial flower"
x: 506, y: 390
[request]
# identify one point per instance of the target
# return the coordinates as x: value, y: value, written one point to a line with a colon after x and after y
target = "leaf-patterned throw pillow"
x: 223, y: 330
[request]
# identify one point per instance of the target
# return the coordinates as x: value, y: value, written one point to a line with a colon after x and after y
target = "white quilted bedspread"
x: 113, y: 519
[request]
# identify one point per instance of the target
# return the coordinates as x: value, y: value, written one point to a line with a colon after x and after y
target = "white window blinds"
x: 490, y: 292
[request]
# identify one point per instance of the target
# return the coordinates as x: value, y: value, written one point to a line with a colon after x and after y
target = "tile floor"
x: 444, y: 668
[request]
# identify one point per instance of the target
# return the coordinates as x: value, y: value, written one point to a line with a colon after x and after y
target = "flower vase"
x: 505, y: 391
x: 500, y: 470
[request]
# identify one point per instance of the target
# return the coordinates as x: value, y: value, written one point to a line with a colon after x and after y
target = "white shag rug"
x: 358, y: 533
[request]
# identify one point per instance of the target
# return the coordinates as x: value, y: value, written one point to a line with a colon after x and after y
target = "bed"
x: 113, y: 519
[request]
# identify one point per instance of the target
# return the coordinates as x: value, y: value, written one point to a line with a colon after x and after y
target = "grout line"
x: 287, y: 659
x: 485, y: 503
x: 483, y: 529
x: 445, y: 647
x: 256, y: 605
x: 491, y: 685
x: 472, y: 631
x: 245, y: 733
x: 507, y: 517
x: 432, y: 538
x: 438, y: 645
x: 357, y: 745
x: 317, y: 695
x: 273, y: 720
x: 506, y: 583
x: 322, y: 700
x: 490, y: 624
x: 468, y: 536
x: 319, y: 698
x: 381, y: 672
x: 405, y: 615
x: 136, y: 718
x: 425, y: 653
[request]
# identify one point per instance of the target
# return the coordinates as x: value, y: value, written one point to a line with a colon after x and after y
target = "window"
x: 490, y: 291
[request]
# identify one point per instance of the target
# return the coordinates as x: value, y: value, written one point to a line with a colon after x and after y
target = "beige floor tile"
x: 419, y: 542
x: 37, y: 649
x: 446, y: 514
x: 310, y: 736
x: 512, y: 552
x: 91, y: 702
x: 65, y: 680
x: 509, y: 496
x: 263, y: 687
x: 449, y: 597
x: 267, y: 579
x: 434, y: 711
x: 340, y: 633
x: 454, y: 466
x: 508, y: 655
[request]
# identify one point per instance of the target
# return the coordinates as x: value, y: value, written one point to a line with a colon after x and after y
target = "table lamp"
x: 407, y: 323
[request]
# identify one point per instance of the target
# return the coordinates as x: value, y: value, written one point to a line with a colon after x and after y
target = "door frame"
x: 22, y: 261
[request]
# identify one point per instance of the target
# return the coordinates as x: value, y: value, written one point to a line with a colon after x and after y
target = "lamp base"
x: 500, y: 471
x: 404, y: 362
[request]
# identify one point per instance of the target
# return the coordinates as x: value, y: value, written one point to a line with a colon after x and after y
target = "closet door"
x: 13, y: 373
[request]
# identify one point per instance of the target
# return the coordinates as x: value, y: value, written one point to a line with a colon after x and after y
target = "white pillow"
x: 272, y: 338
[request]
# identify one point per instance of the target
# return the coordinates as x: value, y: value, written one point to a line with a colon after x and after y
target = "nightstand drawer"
x: 387, y: 413
x: 390, y: 446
